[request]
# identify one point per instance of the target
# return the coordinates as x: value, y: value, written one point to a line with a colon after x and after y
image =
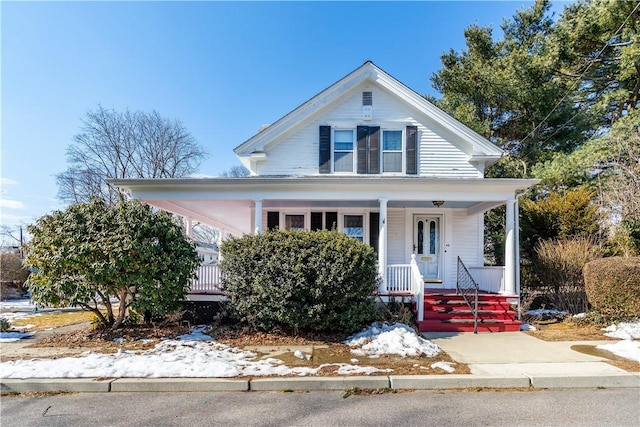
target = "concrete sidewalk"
x: 546, y: 364
x: 500, y: 360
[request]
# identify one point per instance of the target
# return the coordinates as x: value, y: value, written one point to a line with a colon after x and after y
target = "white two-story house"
x: 373, y: 159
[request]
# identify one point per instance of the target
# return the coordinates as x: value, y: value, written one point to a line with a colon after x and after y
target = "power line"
x: 572, y: 88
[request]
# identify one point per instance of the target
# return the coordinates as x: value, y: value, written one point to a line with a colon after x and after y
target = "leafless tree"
x: 126, y: 144
x: 236, y: 172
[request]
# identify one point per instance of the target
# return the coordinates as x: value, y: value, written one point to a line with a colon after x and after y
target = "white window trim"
x: 284, y: 214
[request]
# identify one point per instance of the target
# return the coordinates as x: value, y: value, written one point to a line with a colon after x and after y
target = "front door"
x: 426, y: 245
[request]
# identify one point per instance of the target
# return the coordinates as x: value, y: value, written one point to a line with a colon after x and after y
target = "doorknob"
x: 414, y: 247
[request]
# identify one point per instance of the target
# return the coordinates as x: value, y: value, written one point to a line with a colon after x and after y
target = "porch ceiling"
x: 227, y: 203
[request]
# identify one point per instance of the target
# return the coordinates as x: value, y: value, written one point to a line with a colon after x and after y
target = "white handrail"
x: 417, y: 282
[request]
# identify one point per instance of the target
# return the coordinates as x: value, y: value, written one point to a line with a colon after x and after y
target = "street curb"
x: 434, y: 382
x: 81, y: 385
x: 395, y: 382
x: 587, y: 381
x: 323, y: 383
x: 178, y: 384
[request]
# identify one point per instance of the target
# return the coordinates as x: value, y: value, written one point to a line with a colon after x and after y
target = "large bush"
x: 557, y: 216
x: 613, y: 287
x: 300, y: 280
x: 93, y: 252
x: 558, y: 266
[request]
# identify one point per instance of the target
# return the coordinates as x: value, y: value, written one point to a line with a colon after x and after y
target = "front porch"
x: 437, y: 309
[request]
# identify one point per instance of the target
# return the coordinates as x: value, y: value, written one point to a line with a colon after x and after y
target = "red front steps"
x: 446, y: 311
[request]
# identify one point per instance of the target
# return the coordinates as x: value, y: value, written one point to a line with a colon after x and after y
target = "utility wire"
x: 587, y: 67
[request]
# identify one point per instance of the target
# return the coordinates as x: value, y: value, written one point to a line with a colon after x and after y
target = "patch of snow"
x: 398, y: 338
x: 300, y: 355
x: 627, y: 348
x: 119, y: 340
x: 193, y: 355
x: 445, y: 366
x: 14, y: 336
x: 546, y: 312
x: 579, y: 316
x: 527, y: 327
x: 197, y: 333
x: 624, y: 330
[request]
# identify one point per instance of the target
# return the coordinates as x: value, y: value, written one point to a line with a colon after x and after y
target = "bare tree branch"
x: 126, y: 144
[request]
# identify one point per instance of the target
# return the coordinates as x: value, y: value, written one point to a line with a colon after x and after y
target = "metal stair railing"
x: 468, y: 288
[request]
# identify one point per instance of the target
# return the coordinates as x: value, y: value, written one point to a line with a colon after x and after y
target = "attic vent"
x: 367, y: 98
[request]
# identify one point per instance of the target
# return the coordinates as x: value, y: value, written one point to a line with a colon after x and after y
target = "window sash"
x: 343, y: 154
x: 354, y: 226
x: 294, y: 222
x: 392, y: 150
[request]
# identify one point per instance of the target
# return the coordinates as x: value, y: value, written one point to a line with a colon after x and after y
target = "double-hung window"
x: 343, y: 151
x: 294, y: 222
x: 392, y: 151
x: 354, y: 226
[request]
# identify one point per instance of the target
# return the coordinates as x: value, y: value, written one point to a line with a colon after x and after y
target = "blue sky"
x: 222, y: 68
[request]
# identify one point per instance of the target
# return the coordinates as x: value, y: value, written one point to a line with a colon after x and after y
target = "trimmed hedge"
x: 300, y: 280
x: 613, y: 286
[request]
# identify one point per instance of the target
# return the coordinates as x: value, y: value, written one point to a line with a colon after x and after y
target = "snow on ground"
x: 624, y: 330
x: 198, y: 355
x: 629, y: 347
x: 14, y: 336
x: 398, y: 338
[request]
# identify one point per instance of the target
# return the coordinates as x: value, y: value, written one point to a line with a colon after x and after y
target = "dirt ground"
x: 324, y: 349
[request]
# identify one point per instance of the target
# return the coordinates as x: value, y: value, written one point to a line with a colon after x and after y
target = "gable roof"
x: 482, y: 148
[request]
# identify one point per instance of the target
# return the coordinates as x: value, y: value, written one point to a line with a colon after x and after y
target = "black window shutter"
x: 273, y: 220
x: 363, y: 136
x: 368, y: 149
x: 412, y: 150
x: 374, y: 150
x: 374, y: 230
x: 325, y: 149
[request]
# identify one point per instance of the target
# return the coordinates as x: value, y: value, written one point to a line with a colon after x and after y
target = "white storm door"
x: 426, y: 245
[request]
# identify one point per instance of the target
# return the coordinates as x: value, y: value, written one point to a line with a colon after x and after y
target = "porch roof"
x: 227, y: 203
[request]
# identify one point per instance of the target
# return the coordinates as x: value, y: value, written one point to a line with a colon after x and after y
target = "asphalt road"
x: 575, y: 407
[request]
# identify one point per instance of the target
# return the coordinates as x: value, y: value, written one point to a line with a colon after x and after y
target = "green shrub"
x: 558, y: 216
x: 5, y: 325
x: 300, y: 280
x: 613, y: 287
x: 558, y: 265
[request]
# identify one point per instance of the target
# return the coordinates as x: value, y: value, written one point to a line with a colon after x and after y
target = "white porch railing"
x: 399, y: 278
x: 208, y: 280
x: 407, y: 279
x: 490, y: 279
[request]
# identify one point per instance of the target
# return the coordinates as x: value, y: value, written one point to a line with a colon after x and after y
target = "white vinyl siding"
x: 467, y: 232
x: 396, y: 237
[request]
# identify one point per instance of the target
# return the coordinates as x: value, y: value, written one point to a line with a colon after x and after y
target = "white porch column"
x: 382, y: 245
x: 510, y: 250
x: 258, y: 216
x: 189, y: 226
